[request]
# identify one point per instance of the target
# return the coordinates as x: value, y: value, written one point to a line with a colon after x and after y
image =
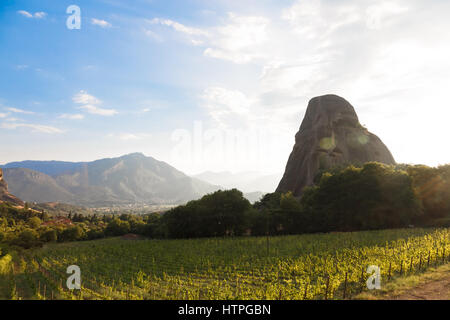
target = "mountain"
x: 51, y: 168
x: 254, y: 196
x: 130, y: 179
x: 5, y: 196
x: 330, y: 135
x: 247, y: 182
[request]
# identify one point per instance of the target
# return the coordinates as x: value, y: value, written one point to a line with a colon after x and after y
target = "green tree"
x: 118, y: 227
x: 34, y: 222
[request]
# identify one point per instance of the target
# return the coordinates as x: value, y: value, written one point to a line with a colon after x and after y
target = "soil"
x: 433, y: 290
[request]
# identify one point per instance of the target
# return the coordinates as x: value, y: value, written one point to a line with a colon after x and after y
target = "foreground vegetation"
x: 319, y: 266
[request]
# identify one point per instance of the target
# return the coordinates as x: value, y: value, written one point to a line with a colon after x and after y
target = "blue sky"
x: 218, y: 84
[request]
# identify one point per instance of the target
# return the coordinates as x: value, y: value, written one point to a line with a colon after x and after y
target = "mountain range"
x: 127, y: 180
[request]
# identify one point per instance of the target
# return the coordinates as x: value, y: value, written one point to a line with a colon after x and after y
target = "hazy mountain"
x: 34, y: 186
x: 52, y: 168
x: 247, y: 182
x: 254, y: 196
x: 129, y: 179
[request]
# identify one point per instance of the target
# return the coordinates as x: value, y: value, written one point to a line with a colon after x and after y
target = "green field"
x: 319, y: 266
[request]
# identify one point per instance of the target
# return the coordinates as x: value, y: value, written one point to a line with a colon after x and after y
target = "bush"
x: 117, y: 227
x: 27, y: 238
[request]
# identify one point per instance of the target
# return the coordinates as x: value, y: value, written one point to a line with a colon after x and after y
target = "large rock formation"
x: 5, y: 196
x: 330, y: 135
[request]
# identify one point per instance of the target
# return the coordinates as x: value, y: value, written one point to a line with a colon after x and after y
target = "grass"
x: 401, y: 287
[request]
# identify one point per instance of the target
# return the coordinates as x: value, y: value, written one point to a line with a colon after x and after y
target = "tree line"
x: 367, y: 197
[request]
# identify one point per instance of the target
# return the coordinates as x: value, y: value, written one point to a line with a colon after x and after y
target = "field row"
x: 320, y: 266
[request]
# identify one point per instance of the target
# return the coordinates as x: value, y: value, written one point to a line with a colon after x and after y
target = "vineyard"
x: 319, y: 266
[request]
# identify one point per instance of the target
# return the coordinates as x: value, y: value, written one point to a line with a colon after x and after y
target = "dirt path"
x: 433, y: 290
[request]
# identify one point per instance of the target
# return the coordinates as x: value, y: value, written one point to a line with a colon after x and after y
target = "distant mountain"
x: 130, y: 179
x: 51, y: 168
x: 254, y: 196
x: 247, y: 182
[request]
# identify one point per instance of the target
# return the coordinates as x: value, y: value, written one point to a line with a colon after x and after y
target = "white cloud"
x: 3, y: 115
x: 179, y: 27
x: 379, y: 15
x: 226, y: 106
x: 91, y: 104
x: 72, y: 116
x: 240, y: 40
x: 129, y: 136
x: 98, y: 111
x: 34, y: 127
x: 37, y: 15
x: 40, y: 15
x: 15, y: 110
x: 25, y: 13
x: 101, y: 23
x: 84, y: 98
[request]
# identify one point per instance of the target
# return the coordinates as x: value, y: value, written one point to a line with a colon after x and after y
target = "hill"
x: 130, y: 179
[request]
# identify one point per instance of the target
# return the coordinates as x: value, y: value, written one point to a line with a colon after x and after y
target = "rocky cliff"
x: 5, y: 196
x: 330, y: 135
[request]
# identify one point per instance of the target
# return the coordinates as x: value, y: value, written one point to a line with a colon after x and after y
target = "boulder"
x: 329, y: 136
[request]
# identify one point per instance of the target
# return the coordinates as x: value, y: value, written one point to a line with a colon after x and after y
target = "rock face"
x: 330, y: 135
x: 5, y: 196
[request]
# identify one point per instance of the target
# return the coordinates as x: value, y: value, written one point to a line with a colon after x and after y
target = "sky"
x: 218, y: 85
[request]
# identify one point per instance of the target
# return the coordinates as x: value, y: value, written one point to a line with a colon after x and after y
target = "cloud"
x: 25, y: 13
x: 239, y: 40
x: 15, y: 110
x: 34, y: 127
x: 40, y: 15
x: 91, y: 104
x: 36, y: 15
x: 3, y: 115
x: 98, y: 111
x: 129, y: 136
x: 101, y: 23
x: 72, y: 116
x: 378, y: 16
x: 84, y: 98
x: 22, y: 67
x: 179, y: 27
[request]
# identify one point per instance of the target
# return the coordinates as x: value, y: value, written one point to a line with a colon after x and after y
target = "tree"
x: 27, y: 238
x: 72, y: 234
x: 117, y: 227
x: 371, y: 197
x: 218, y: 214
x: 34, y: 222
x: 49, y: 235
